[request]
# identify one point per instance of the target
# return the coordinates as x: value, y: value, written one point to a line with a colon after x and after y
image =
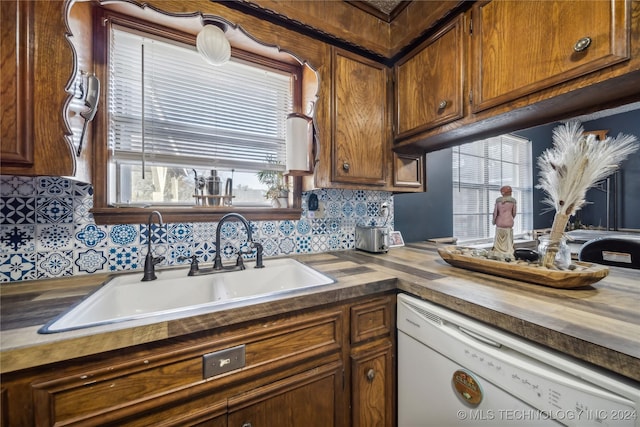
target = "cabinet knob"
x: 442, y: 105
x: 346, y: 166
x: 371, y: 374
x: 582, y: 44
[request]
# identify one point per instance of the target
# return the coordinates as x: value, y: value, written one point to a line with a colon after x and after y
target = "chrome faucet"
x: 149, y: 260
x: 217, y: 261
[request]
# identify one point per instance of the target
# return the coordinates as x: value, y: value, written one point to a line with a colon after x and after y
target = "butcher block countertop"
x: 599, y: 324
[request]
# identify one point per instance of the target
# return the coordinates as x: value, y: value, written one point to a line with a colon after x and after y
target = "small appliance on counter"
x: 372, y: 238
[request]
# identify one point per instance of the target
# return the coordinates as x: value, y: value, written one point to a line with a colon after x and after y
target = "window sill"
x: 125, y: 215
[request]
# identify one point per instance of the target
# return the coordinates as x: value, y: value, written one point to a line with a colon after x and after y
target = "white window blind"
x: 479, y: 170
x: 167, y: 106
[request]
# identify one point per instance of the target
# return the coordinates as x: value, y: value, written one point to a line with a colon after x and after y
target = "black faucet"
x: 217, y: 261
x: 149, y: 260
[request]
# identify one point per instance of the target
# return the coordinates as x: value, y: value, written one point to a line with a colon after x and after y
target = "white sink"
x: 127, y: 298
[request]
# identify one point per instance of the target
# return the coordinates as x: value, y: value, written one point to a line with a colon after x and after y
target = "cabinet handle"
x: 582, y: 44
x: 346, y: 166
x: 442, y: 105
x: 247, y: 424
x: 371, y: 374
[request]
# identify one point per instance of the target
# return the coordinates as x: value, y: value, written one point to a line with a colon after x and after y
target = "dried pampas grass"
x: 573, y: 165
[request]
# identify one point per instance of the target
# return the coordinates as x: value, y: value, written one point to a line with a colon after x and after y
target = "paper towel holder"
x: 300, y: 145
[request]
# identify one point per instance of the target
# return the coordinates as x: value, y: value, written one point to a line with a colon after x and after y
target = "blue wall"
x: 429, y: 215
x: 421, y: 216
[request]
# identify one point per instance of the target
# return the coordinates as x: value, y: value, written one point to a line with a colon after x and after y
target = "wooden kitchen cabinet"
x: 522, y: 69
x: 359, y: 119
x: 372, y: 382
x: 35, y: 136
x: 308, y: 399
x: 296, y: 372
x: 372, y: 363
x: 523, y: 47
x: 430, y: 82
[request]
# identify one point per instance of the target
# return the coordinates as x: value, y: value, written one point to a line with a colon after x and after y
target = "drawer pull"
x: 371, y: 374
x: 582, y: 44
x: 247, y: 424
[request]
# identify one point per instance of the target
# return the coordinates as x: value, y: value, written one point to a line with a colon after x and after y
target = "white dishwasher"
x: 456, y: 371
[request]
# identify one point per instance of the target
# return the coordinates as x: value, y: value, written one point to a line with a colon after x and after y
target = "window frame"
x: 488, y: 188
x: 106, y: 214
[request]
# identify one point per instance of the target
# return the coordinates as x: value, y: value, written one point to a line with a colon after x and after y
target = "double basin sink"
x: 125, y: 297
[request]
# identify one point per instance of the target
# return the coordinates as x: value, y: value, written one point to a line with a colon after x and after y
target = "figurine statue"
x: 504, y: 213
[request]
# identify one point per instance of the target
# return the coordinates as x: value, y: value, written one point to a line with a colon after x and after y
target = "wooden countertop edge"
x: 362, y: 274
x: 51, y: 348
x: 597, y: 355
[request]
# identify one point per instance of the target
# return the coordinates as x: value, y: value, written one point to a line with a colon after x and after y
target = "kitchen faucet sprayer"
x: 149, y: 260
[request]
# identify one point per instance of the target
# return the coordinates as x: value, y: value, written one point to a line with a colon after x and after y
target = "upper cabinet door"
x: 430, y: 81
x: 520, y: 47
x: 360, y: 120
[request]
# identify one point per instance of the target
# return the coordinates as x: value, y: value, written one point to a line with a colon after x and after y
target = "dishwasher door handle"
x: 479, y: 337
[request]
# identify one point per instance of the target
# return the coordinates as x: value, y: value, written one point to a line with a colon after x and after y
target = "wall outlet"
x: 318, y: 213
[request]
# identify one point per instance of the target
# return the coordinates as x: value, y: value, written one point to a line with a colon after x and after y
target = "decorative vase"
x: 546, y: 249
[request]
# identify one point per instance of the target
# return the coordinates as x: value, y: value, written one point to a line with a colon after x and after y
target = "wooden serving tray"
x: 584, y: 273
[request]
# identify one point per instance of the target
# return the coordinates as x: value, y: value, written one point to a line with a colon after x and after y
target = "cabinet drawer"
x: 176, y: 375
x: 372, y: 319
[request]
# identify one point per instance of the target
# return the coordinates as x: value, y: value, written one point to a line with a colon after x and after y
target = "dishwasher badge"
x: 467, y: 387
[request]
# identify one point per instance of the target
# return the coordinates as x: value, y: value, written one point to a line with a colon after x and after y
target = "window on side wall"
x: 178, y: 129
x: 479, y: 170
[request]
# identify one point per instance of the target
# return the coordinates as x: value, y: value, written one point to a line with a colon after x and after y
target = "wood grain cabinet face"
x: 170, y: 387
x: 429, y: 82
x: 408, y: 171
x: 308, y: 399
x: 372, y: 383
x: 36, y: 61
x: 520, y: 47
x: 359, y: 120
x: 372, y: 367
x: 16, y: 79
x: 297, y: 372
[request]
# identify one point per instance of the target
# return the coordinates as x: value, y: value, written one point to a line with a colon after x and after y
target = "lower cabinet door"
x: 372, y: 387
x: 310, y: 399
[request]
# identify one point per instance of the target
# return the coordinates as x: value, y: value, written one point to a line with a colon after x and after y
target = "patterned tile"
x: 54, y: 237
x: 17, y: 238
x: 17, y: 186
x: 48, y: 231
x: 16, y: 267
x: 18, y: 210
x: 159, y: 234
x: 90, y: 261
x: 54, y: 264
x: 303, y: 244
x: 122, y: 259
x: 205, y: 251
x: 54, y: 210
x: 55, y: 187
x: 179, y: 233
x: 287, y: 227
x: 178, y: 253
x: 286, y: 246
x: 90, y: 236
x: 123, y: 234
x: 304, y: 226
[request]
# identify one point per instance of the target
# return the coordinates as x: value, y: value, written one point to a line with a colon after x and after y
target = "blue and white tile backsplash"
x: 47, y: 231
